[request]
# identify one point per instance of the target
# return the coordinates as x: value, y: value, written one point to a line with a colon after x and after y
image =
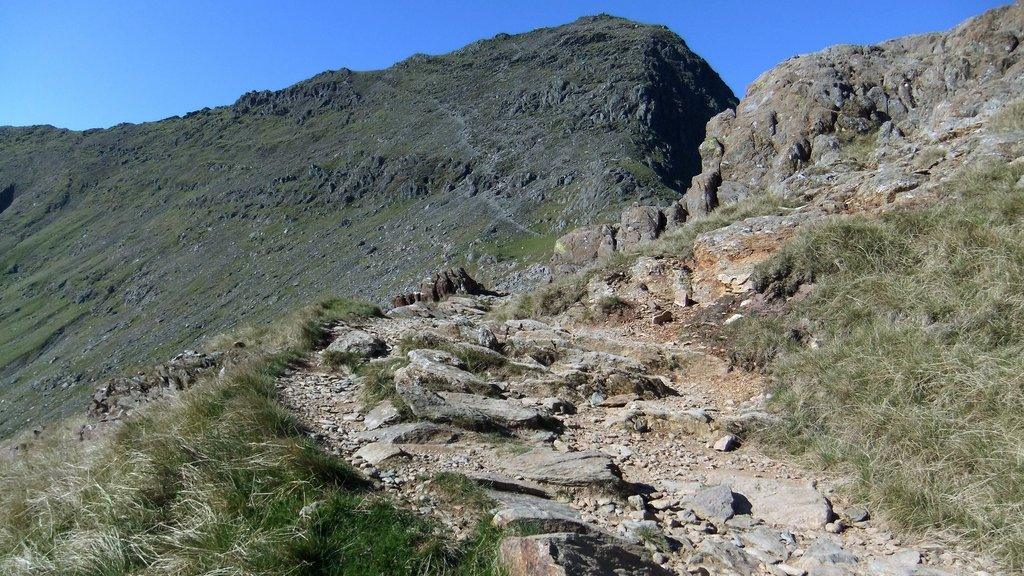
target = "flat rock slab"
x: 381, y: 415
x: 505, y: 484
x: 786, y: 503
x: 411, y: 433
x: 377, y: 453
x: 716, y: 504
x: 536, y: 514
x: 504, y: 413
x: 569, y: 554
x: 571, y: 469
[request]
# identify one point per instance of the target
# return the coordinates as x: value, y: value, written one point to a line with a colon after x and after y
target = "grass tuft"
x: 916, y: 384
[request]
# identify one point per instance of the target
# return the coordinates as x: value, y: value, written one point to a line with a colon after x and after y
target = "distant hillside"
x: 123, y: 245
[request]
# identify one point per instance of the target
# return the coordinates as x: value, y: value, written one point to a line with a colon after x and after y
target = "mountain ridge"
x: 131, y: 242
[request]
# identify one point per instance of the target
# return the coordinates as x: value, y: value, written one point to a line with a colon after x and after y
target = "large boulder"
x: 358, y: 343
x: 785, y: 503
x: 639, y: 224
x: 572, y: 554
x: 581, y: 247
x: 445, y: 283
x: 569, y: 469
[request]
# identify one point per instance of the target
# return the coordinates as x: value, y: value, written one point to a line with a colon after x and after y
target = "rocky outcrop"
x: 570, y: 554
x: 119, y: 397
x: 824, y: 126
x: 848, y: 129
x: 445, y: 283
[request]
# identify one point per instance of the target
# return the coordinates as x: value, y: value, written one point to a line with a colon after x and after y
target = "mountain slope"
x: 133, y: 241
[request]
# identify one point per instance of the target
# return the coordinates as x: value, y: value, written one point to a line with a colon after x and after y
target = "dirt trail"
x: 622, y: 430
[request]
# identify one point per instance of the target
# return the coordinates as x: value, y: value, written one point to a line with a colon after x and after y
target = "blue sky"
x: 83, y: 65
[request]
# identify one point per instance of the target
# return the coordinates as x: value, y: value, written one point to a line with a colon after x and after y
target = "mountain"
x: 123, y: 245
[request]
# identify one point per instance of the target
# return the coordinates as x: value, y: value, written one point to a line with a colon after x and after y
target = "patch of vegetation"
x: 1010, y: 118
x: 611, y: 305
x: 335, y: 359
x: 223, y: 481
x: 916, y: 384
x: 476, y: 360
x: 379, y: 384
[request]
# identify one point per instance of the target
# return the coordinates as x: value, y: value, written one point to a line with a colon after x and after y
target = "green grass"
x: 477, y: 361
x: 222, y: 482
x: 917, y: 385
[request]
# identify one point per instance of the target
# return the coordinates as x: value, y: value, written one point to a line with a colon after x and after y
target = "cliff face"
x: 131, y: 242
x: 861, y: 126
x: 847, y: 129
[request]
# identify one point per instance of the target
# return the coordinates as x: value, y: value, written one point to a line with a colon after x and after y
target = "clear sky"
x: 95, y: 64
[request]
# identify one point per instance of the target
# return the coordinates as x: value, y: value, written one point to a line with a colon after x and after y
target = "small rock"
x: 727, y: 443
x: 377, y: 453
x: 663, y: 317
x: 732, y: 319
x: 858, y: 514
x: 716, y: 503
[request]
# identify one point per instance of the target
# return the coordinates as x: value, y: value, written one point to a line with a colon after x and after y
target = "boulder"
x: 378, y: 453
x: 582, y: 247
x: 571, y: 554
x: 411, y: 433
x: 382, y: 414
x: 358, y: 343
x: 434, y: 370
x: 568, y: 469
x: 639, y: 224
x: 445, y: 283
x: 785, y: 503
x: 716, y: 504
x: 521, y: 511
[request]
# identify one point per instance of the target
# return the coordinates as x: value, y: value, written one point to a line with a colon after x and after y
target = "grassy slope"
x: 215, y: 484
x: 127, y: 244
x: 916, y: 385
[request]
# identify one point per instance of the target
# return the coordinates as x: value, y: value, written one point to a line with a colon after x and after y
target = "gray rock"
x: 569, y: 469
x: 359, y: 343
x: 411, y: 433
x: 377, y: 453
x: 537, y: 514
x: 767, y: 542
x: 784, y: 503
x: 825, y: 552
x: 727, y: 443
x: 499, y: 483
x: 440, y: 377
x: 721, y: 556
x: 382, y: 414
x: 717, y: 503
x: 568, y: 554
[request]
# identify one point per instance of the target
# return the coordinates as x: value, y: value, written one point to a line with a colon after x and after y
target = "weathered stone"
x: 662, y: 317
x: 784, y: 503
x: 377, y: 453
x: 571, y: 469
x: 426, y: 373
x: 717, y: 503
x: 639, y: 224
x: 358, y: 343
x: 537, y: 514
x: 568, y: 554
x: 448, y: 282
x: 382, y: 414
x: 722, y: 556
x: 500, y: 483
x: 727, y: 443
x: 582, y: 247
x: 411, y: 433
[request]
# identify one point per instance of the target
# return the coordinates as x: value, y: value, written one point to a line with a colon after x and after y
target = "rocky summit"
x: 120, y: 246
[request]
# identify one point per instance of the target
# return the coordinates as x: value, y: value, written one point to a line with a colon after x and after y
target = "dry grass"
x: 917, y: 387
x: 222, y: 481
